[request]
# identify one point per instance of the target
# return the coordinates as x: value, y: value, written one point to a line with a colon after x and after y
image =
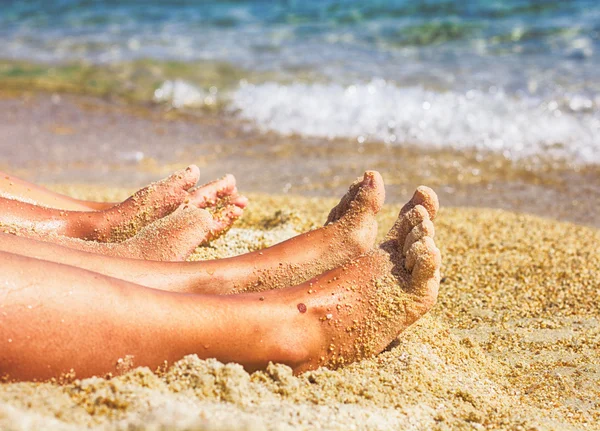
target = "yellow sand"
x: 514, y: 343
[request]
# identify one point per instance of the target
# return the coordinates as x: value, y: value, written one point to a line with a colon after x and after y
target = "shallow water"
x: 517, y: 77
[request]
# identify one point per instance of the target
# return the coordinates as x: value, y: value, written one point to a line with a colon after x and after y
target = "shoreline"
x: 510, y: 315
x: 59, y: 138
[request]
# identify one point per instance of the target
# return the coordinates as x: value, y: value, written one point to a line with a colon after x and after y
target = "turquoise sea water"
x: 519, y: 77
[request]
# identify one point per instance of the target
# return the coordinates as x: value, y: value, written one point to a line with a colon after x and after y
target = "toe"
x: 229, y: 214
x: 239, y: 201
x: 423, y: 229
x: 418, y: 251
x: 224, y: 219
x: 428, y: 198
x: 186, y: 178
x: 408, y: 221
x: 207, y: 194
x: 366, y: 192
x: 227, y: 186
x: 423, y: 261
x: 426, y: 278
x: 425, y: 197
x: 372, y: 191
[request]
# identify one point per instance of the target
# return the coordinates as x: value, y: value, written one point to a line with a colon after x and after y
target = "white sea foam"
x: 382, y: 111
x: 182, y: 94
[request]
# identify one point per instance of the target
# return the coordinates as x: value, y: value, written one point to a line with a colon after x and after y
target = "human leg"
x: 12, y: 187
x: 123, y: 220
x: 111, y: 225
x: 350, y: 231
x: 172, y: 238
x: 83, y: 321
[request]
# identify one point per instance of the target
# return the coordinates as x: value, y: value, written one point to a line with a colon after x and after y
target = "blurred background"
x: 493, y: 103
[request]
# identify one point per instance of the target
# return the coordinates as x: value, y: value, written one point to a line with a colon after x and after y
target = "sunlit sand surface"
x: 513, y: 342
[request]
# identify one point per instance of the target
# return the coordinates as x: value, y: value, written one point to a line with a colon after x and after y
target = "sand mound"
x: 514, y: 343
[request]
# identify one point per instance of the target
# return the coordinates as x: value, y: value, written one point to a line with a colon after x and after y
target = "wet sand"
x: 47, y: 137
x: 513, y: 343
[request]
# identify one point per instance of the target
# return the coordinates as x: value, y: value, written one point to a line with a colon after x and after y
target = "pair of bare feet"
x: 163, y: 221
x: 325, y: 298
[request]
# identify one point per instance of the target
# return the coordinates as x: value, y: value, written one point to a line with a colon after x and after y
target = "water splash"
x: 381, y: 111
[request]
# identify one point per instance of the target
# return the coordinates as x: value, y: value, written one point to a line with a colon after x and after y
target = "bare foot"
x: 349, y: 231
x: 355, y: 311
x: 357, y: 209
x: 163, y: 197
x: 146, y: 206
x: 176, y: 236
x: 223, y: 189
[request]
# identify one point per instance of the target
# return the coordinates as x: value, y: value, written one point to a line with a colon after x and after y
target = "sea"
x: 516, y: 77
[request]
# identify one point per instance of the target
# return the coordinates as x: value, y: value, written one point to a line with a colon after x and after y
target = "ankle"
x: 357, y: 235
x: 290, y: 342
x: 90, y: 226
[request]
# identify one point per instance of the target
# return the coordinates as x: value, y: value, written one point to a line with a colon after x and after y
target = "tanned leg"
x: 123, y: 220
x: 83, y: 321
x: 350, y: 231
x: 172, y: 238
x: 15, y: 188
x: 112, y: 225
x: 55, y: 318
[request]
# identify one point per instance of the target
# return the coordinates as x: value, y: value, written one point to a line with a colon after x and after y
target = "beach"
x: 513, y: 343
x: 494, y: 105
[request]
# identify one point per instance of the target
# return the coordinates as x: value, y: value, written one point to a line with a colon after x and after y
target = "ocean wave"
x: 182, y: 94
x: 518, y: 127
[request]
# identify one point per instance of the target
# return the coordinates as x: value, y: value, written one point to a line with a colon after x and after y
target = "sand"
x: 513, y: 343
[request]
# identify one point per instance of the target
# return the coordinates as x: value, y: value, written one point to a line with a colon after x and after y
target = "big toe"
x: 366, y: 193
x: 372, y: 191
x: 185, y: 178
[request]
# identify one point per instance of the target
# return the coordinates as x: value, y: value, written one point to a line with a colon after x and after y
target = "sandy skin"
x: 350, y: 231
x: 172, y: 238
x: 94, y: 321
x: 115, y: 223
x: 203, y: 196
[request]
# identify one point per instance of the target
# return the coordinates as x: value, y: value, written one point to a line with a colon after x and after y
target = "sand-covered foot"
x: 214, y: 193
x: 176, y: 236
x: 350, y: 231
x: 355, y: 311
x: 356, y: 211
x: 149, y: 204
